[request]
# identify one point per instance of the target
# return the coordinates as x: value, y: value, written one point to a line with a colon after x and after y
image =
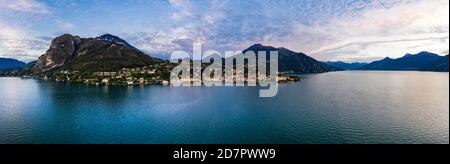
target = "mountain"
x: 290, y: 61
x: 115, y: 39
x: 346, y: 66
x: 6, y: 63
x: 103, y: 53
x: 440, y: 65
x: 377, y: 65
x: 25, y: 70
x: 423, y: 61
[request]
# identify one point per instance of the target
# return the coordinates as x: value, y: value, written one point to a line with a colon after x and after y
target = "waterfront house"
x: 105, y: 81
x: 129, y: 80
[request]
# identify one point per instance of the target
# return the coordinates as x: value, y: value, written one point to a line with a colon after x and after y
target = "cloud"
x: 407, y: 27
x: 17, y: 39
x: 65, y: 25
x: 183, y: 8
x: 21, y: 44
x: 165, y: 41
x: 325, y: 29
x: 29, y: 6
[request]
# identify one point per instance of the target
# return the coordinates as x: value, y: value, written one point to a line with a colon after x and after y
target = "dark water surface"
x: 338, y: 107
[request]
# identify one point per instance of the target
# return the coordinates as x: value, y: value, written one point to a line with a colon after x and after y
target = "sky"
x: 328, y: 30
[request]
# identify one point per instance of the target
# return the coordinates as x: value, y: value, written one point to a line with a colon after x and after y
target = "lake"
x: 336, y: 107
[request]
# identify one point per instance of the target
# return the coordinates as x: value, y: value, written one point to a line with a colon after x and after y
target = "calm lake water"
x: 338, y: 107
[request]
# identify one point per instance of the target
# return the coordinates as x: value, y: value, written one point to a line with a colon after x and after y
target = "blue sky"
x: 347, y: 30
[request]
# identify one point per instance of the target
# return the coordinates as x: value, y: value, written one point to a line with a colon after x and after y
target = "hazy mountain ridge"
x: 8, y: 63
x: 111, y: 53
x: 423, y: 61
x: 345, y: 65
x: 290, y: 61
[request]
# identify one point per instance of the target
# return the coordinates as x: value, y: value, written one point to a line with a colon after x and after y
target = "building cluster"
x: 155, y: 74
x: 132, y: 76
x: 160, y: 75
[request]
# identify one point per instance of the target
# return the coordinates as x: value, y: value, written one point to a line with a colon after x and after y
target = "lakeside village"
x: 158, y: 74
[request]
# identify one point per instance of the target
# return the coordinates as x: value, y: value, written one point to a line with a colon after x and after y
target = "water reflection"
x: 339, y: 107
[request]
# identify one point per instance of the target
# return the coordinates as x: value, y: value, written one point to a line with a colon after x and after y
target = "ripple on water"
x: 339, y: 107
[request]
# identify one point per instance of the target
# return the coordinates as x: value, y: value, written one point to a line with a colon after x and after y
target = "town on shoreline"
x: 157, y: 74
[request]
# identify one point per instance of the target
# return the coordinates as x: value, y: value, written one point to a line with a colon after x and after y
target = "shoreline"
x: 282, y: 80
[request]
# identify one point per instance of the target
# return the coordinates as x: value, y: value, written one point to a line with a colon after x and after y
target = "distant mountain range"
x: 294, y: 62
x: 346, y: 66
x: 6, y: 63
x: 423, y: 61
x: 111, y: 53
